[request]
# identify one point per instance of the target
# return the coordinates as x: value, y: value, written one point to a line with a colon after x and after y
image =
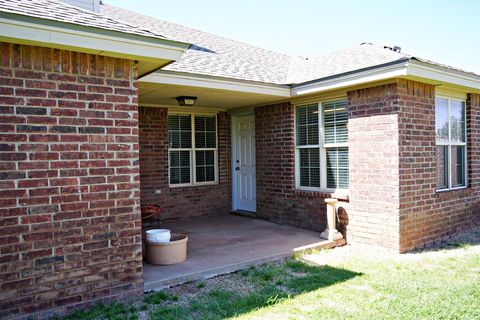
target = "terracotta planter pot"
x: 167, y: 253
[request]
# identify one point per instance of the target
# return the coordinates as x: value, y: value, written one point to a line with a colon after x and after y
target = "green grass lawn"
x: 444, y: 284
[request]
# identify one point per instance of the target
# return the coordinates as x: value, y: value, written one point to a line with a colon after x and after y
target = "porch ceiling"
x: 165, y: 94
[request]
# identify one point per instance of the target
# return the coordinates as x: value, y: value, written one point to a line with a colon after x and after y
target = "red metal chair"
x: 151, y: 213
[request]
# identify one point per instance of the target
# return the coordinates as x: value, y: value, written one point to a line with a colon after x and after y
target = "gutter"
x: 55, y: 34
x: 394, y: 69
x: 339, y: 75
x: 407, y: 68
x: 440, y: 74
x: 213, y: 82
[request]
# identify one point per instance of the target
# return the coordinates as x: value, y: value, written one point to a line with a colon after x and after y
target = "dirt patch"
x: 233, y: 282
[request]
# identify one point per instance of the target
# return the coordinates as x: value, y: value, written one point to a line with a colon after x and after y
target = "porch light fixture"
x: 186, y: 100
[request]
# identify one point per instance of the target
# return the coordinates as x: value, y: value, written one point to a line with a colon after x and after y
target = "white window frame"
x: 451, y: 144
x: 323, y: 152
x: 193, y: 166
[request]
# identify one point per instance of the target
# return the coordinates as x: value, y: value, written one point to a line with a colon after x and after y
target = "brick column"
x: 417, y: 164
x: 393, y: 197
x: 373, y: 210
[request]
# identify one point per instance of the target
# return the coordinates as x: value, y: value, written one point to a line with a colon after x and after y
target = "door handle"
x: 237, y: 168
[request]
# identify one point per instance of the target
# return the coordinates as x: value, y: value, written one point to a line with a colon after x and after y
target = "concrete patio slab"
x: 227, y: 243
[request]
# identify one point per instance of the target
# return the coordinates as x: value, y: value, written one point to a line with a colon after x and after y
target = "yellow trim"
x: 450, y: 93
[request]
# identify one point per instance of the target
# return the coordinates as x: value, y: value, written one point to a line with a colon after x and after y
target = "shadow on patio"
x: 227, y: 243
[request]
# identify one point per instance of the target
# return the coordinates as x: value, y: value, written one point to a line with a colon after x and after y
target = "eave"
x: 152, y: 53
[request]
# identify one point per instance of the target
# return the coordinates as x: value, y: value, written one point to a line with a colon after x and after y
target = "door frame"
x: 233, y: 121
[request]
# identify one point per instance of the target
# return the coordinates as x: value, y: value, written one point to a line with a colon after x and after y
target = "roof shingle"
x: 218, y: 56
x: 62, y: 12
x: 212, y: 54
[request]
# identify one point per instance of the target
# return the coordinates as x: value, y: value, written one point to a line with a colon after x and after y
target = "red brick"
x: 46, y: 213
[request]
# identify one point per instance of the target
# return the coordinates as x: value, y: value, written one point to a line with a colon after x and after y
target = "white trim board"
x: 444, y: 75
x: 200, y: 81
x: 75, y: 38
x: 175, y: 108
x: 407, y: 69
x: 377, y: 74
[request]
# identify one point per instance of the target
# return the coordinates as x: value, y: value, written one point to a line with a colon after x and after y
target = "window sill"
x: 451, y: 189
x: 445, y: 194
x: 188, y: 186
x: 341, y: 195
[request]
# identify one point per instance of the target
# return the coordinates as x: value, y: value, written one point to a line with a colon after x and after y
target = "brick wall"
x: 69, y: 180
x: 374, y: 179
x: 393, y: 201
x: 277, y: 198
x: 426, y: 215
x: 183, y: 202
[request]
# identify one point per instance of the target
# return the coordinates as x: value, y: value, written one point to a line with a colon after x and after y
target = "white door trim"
x: 233, y: 122
x: 234, y: 150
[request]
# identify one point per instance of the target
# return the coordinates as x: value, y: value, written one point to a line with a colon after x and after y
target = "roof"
x: 62, y: 12
x: 218, y: 56
x: 339, y: 62
x: 215, y: 55
x: 211, y: 54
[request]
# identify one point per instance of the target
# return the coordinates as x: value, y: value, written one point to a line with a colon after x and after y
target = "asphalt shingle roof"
x: 218, y: 56
x: 212, y: 54
x: 359, y: 57
x: 59, y: 11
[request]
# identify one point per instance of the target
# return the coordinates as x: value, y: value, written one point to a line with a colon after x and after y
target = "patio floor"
x: 227, y: 243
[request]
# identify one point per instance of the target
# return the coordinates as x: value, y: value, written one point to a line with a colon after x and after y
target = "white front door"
x: 245, y: 192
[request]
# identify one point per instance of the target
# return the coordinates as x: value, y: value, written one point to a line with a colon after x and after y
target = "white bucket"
x: 158, y: 235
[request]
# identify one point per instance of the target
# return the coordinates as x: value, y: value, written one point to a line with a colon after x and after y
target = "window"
x: 451, y: 138
x: 192, y: 149
x: 322, y: 145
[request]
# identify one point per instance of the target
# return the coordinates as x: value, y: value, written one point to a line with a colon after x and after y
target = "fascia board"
x: 215, y: 83
x: 444, y: 75
x: 27, y: 30
x: 352, y: 79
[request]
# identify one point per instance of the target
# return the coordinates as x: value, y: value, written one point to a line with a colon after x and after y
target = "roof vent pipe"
x: 91, y: 5
x: 395, y: 48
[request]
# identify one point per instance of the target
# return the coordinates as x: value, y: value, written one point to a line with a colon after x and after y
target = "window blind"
x: 329, y: 142
x: 335, y: 119
x: 191, y: 163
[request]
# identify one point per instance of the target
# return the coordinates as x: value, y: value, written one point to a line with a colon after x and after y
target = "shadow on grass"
x: 272, y: 284
x: 249, y: 290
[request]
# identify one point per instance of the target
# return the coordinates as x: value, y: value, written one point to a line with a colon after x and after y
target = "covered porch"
x: 226, y: 243
x: 250, y: 174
